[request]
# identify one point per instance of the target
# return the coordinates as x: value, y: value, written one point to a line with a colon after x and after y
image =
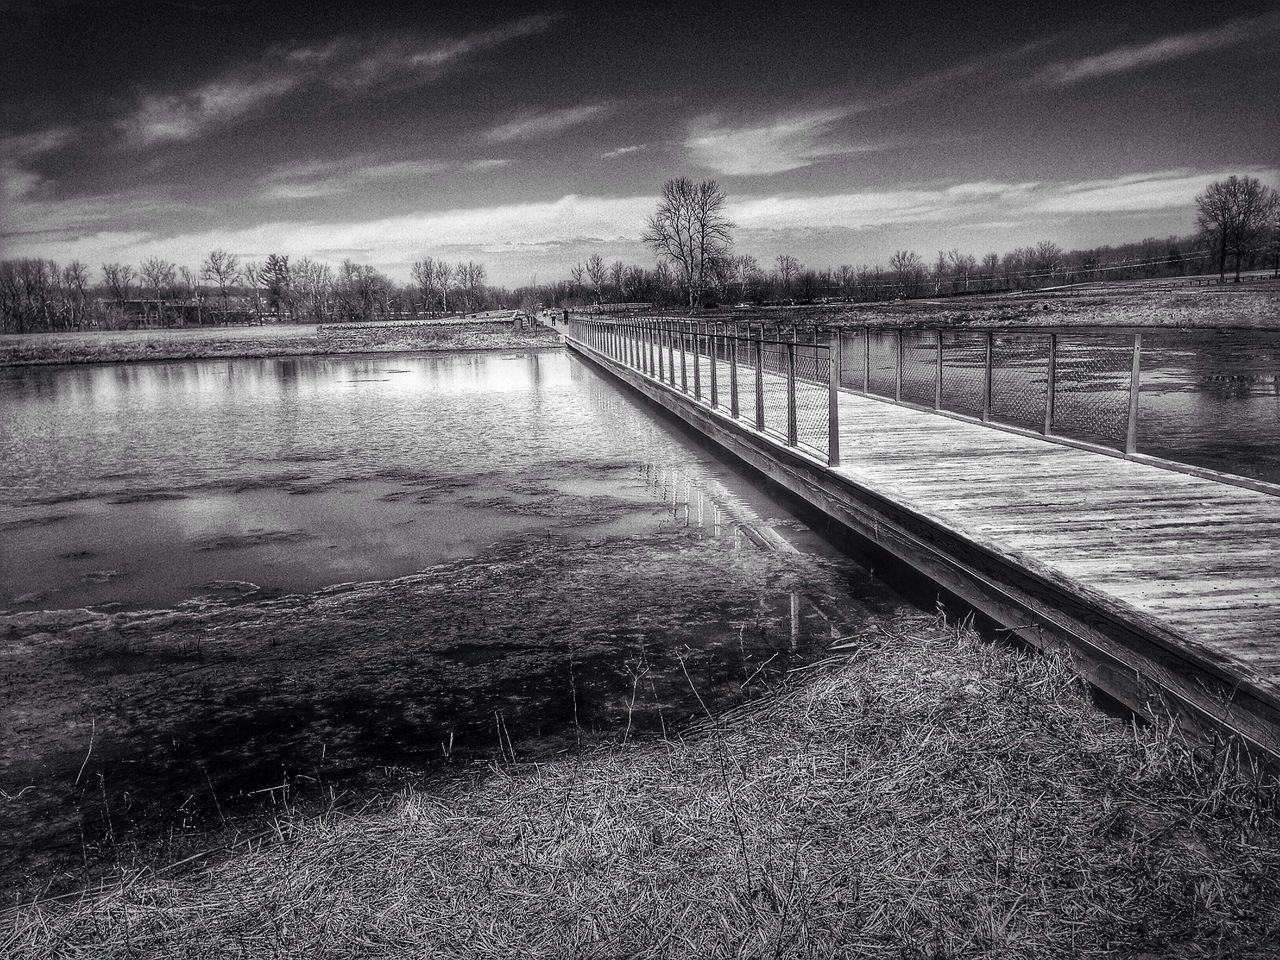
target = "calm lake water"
x: 230, y: 586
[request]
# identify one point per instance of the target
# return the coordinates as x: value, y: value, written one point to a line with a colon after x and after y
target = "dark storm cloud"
x: 401, y: 129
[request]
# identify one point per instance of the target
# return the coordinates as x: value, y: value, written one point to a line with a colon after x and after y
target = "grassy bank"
x: 921, y: 794
x: 121, y: 346
x: 1250, y: 305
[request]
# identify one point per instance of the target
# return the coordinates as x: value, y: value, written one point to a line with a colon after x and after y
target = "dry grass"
x: 927, y: 795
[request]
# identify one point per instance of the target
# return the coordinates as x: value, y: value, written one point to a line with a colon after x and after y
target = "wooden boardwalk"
x: 1166, y: 585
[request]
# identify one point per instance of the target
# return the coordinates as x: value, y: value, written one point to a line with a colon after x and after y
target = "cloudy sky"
x: 529, y: 137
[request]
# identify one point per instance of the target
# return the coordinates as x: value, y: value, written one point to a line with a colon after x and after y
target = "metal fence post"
x: 1135, y: 378
x: 733, y: 377
x: 759, y: 344
x: 697, y: 365
x: 833, y: 402
x: 866, y: 360
x: 897, y: 371
x: 713, y: 350
x: 986, y: 381
x: 1050, y: 382
x: 684, y: 365
x: 792, y: 433
x: 671, y: 356
x: 658, y: 334
x: 937, y: 373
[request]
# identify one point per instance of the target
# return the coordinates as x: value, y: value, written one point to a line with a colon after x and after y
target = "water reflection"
x: 262, y: 523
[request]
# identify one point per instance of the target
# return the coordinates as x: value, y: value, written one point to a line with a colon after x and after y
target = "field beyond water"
x: 922, y: 793
x: 1255, y: 304
x: 283, y: 340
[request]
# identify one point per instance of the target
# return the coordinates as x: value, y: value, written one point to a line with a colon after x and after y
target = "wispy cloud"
x: 345, y: 66
x: 536, y: 124
x: 313, y: 179
x: 1166, y: 49
x: 985, y: 201
x: 622, y: 151
x: 488, y: 163
x: 775, y: 146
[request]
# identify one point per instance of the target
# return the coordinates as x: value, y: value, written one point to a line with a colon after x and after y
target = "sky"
x: 529, y: 137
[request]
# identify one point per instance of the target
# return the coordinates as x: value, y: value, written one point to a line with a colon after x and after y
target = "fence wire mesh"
x: 1019, y: 372
x: 919, y: 366
x: 964, y: 371
x: 853, y: 359
x: 1091, y: 387
x: 813, y: 379
x: 883, y: 368
x: 775, y: 389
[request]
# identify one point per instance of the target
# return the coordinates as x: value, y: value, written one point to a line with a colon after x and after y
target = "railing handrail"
x: 638, y: 345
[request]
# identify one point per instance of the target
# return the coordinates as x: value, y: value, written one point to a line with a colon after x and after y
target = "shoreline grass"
x: 237, y: 343
x: 922, y: 793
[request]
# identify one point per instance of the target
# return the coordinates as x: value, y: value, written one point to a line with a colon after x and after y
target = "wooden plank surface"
x: 1197, y: 556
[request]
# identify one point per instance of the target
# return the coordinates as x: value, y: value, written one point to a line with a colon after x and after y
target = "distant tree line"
x: 1238, y: 221
x: 41, y: 295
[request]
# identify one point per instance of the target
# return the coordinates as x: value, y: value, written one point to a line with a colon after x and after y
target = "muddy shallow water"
x: 230, y: 586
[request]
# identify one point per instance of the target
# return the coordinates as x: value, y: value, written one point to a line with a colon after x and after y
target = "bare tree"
x: 424, y: 275
x: 1253, y: 205
x: 253, y: 274
x: 909, y: 266
x: 597, y: 272
x: 190, y: 292
x: 444, y: 277
x: 617, y: 274
x: 75, y: 278
x: 117, y: 277
x: 223, y: 269
x: 788, y: 268
x: 277, y: 278
x: 690, y: 230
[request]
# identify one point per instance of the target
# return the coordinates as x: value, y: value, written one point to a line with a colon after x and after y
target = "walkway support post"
x: 937, y: 372
x: 897, y: 368
x: 684, y: 365
x: 733, y: 378
x: 697, y: 364
x: 713, y: 350
x: 833, y: 402
x: 1135, y: 379
x: 793, y: 434
x: 1050, y: 383
x: 866, y: 360
x: 671, y: 355
x: 759, y: 344
x: 986, y: 381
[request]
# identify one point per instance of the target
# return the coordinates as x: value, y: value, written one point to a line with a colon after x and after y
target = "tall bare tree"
x: 690, y: 230
x: 1234, y: 214
x: 787, y: 268
x: 223, y: 270
x: 253, y: 274
x: 117, y: 277
x: 597, y: 273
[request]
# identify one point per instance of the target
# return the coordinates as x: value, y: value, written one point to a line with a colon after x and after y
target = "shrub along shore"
x: 920, y: 793
x: 202, y: 343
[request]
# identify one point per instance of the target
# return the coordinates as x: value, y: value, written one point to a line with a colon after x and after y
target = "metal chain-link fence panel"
x: 919, y: 366
x: 964, y: 371
x: 775, y: 389
x: 1091, y: 387
x: 853, y: 359
x: 813, y: 384
x: 883, y: 345
x: 1019, y: 371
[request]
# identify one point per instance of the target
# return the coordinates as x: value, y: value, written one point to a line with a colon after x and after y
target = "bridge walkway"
x: 1189, y: 566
